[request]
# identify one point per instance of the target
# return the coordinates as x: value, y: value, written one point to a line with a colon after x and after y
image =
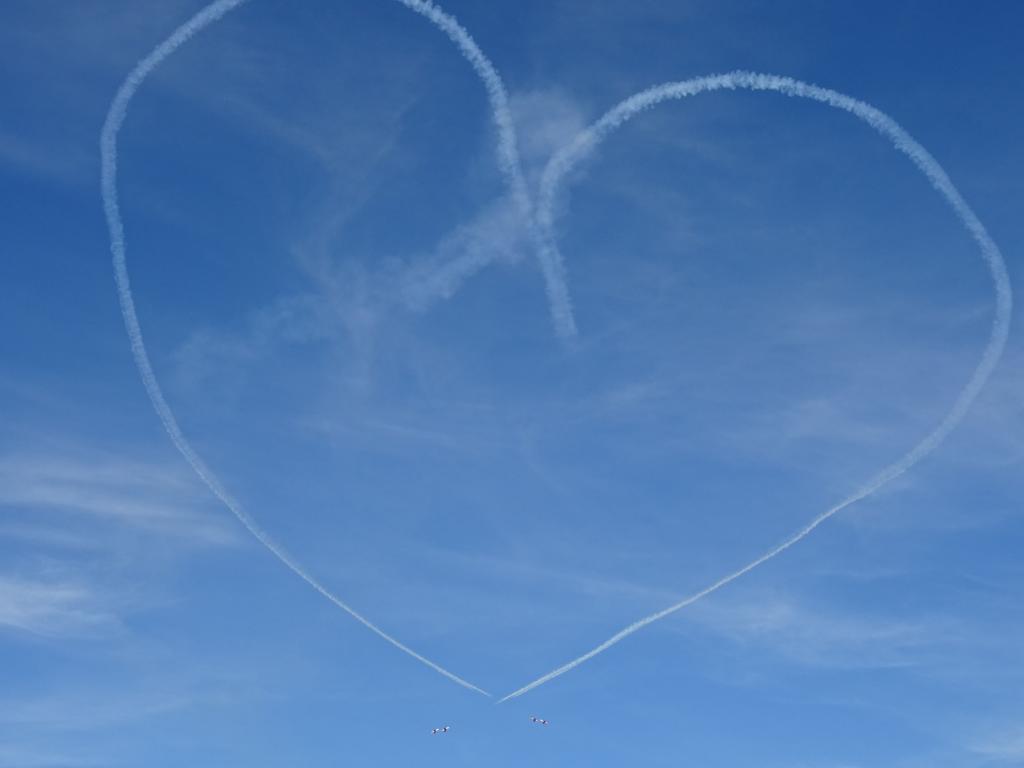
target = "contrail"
x: 108, y: 183
x: 508, y: 158
x: 588, y: 140
x: 494, y: 235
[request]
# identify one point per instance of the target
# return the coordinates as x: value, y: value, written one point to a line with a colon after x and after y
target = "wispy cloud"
x: 495, y: 235
x: 546, y: 120
x: 995, y: 431
x: 1005, y: 747
x: 209, y: 353
x: 42, y: 535
x: 59, y: 163
x: 57, y: 58
x: 52, y: 608
x: 85, y: 710
x: 350, y: 297
x: 110, y: 488
x: 820, y: 636
x: 349, y: 304
x: 62, y: 508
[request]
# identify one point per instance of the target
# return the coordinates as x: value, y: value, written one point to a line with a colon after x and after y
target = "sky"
x: 345, y: 309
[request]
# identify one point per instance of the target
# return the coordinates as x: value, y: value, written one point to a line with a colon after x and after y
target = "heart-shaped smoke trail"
x: 588, y: 140
x: 108, y: 153
x: 552, y: 267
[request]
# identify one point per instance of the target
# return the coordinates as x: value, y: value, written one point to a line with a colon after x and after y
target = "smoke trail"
x: 108, y: 182
x: 494, y: 235
x: 587, y: 141
x: 508, y: 157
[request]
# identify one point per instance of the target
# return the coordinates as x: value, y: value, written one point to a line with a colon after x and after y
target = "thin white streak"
x: 587, y: 141
x: 108, y: 181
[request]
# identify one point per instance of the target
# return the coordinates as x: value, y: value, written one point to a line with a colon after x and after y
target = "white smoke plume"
x: 508, y: 158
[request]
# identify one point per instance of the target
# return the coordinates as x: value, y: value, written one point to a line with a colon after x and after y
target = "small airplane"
x: 538, y: 720
x: 442, y: 729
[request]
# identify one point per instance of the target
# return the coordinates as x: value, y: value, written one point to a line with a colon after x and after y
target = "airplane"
x: 443, y: 729
x: 538, y: 720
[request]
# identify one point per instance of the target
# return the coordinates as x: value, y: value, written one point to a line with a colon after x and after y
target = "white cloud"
x: 144, y: 495
x: 51, y: 609
x: 546, y: 121
x: 92, y: 710
x: 348, y: 300
x: 349, y: 303
x: 1005, y: 747
x: 495, y: 235
x: 821, y: 637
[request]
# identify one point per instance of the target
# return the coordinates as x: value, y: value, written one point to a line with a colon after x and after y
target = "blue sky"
x: 347, y: 317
